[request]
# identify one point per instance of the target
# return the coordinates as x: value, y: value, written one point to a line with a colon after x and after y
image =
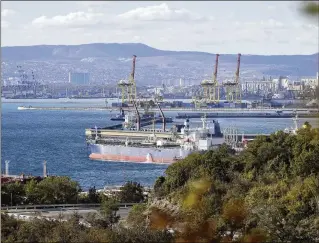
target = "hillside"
x: 113, y: 57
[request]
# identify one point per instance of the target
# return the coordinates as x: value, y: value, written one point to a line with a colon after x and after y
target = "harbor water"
x: 29, y: 137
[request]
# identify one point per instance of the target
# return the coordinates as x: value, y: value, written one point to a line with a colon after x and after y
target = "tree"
x: 141, y: 235
x: 58, y: 190
x: 32, y: 193
x: 268, y: 192
x: 159, y: 190
x: 108, y: 210
x: 131, y: 192
x: 9, y: 228
x: 311, y: 8
x: 136, y: 216
x: 12, y: 193
x: 93, y: 196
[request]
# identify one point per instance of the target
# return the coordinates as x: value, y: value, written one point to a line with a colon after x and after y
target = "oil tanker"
x: 135, y: 144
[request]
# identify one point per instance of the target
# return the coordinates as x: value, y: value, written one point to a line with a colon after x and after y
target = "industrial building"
x: 78, y: 78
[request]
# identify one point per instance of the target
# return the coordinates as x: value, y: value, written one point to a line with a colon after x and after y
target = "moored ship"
x: 135, y: 144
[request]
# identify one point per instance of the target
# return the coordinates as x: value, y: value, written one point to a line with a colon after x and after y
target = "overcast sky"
x: 223, y: 27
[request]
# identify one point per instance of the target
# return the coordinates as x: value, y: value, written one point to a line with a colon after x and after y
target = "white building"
x: 11, y: 81
x: 311, y: 82
x: 79, y: 78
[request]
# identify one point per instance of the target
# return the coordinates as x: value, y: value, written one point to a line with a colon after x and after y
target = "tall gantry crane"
x: 34, y: 85
x: 128, y: 88
x: 23, y: 84
x: 211, y: 87
x: 233, y: 89
x: 132, y: 90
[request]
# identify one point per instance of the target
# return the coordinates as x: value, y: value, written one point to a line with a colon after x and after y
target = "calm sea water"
x: 32, y: 136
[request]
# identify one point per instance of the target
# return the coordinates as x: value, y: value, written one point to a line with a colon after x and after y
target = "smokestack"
x: 45, y: 169
x: 7, y: 167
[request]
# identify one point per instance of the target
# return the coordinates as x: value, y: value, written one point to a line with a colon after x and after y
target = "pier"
x: 245, y: 115
x: 180, y: 109
x: 6, y: 177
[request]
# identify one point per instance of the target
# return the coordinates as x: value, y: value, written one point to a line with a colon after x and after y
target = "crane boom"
x: 216, y: 68
x: 163, y: 116
x: 238, y: 67
x: 133, y: 67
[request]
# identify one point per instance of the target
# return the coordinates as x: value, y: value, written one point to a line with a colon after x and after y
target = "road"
x: 28, y: 214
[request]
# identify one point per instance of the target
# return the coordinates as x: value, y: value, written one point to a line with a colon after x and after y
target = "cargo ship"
x: 135, y: 144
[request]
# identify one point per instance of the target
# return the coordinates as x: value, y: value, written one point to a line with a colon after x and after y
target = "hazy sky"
x: 223, y: 27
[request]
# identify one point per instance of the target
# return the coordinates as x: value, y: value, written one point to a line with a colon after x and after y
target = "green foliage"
x: 131, y: 192
x: 50, y: 190
x: 12, y: 193
x: 41, y: 230
x: 109, y: 210
x: 311, y: 8
x: 141, y: 235
x: 158, y: 187
x: 9, y: 226
x: 270, y: 191
x: 93, y: 196
x: 137, y: 215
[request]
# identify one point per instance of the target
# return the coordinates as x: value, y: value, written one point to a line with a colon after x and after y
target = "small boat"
x: 118, y: 117
x: 26, y: 108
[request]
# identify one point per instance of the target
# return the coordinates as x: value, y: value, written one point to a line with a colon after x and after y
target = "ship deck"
x: 123, y: 134
x: 138, y: 144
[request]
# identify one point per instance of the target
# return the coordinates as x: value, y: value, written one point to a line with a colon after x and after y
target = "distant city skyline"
x: 265, y: 28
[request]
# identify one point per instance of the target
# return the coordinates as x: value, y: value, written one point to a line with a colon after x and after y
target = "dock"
x: 246, y: 115
x: 199, y: 112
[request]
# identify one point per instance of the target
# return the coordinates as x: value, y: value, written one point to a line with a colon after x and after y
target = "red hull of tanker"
x: 126, y: 158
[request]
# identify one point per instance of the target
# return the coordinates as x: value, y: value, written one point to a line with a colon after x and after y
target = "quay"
x: 246, y: 115
x: 103, y: 108
x: 199, y: 112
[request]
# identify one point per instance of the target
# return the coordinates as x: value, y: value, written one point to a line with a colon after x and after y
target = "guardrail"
x: 92, y: 205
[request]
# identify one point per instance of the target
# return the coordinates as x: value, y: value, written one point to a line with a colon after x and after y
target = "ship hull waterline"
x: 130, y: 159
x: 137, y: 154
